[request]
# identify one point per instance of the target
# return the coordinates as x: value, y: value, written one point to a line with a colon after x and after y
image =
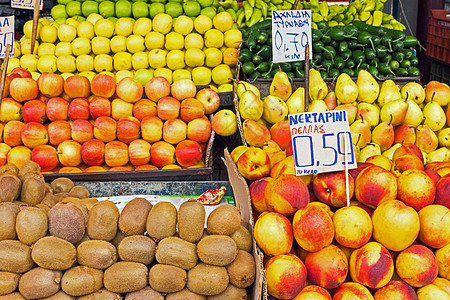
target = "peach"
x: 286, y: 276
x: 92, y: 152
x: 254, y: 164
x: 257, y: 193
x: 380, y: 160
x: 128, y: 129
x: 313, y: 228
x: 18, y: 156
x: 396, y: 289
x: 330, y: 188
x: 191, y: 109
x: 237, y: 152
x: 57, y: 109
x: 408, y: 149
x: 359, y: 167
x: 371, y: 265
x: 12, y: 133
x: 431, y: 292
x: 417, y: 266
x: 352, y: 290
x: 168, y: 108
x: 151, y: 129
x: 116, y: 154
x: 188, y: 153
x: 327, y: 267
x: 395, y: 225
x: 58, y: 131
x: 174, y: 131
x: 368, y: 210
x: 77, y: 86
x: 280, y: 240
x: 286, y: 194
x: 82, y: 130
x: 443, y: 192
x: 34, y: 111
x: 162, y: 154
x: 276, y: 158
x: 281, y: 133
x: 45, y: 156
x: 199, y: 130
x: 313, y: 292
x: 352, y: 226
x: 34, y: 134
x: 143, y: 108
x: 285, y: 166
x: 435, y: 177
x: 99, y: 106
x: 443, y: 259
x: 434, y: 226
x: 416, y: 189
x: 443, y: 284
x: 406, y: 162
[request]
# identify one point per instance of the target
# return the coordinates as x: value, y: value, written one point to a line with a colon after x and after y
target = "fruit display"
x: 74, y: 125
x: 393, y: 240
x: 62, y: 244
x: 201, y: 49
x: 383, y: 52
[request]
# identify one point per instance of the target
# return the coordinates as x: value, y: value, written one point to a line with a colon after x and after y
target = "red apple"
x: 199, y: 130
x: 210, y: 100
x: 50, y: 84
x: 93, y: 152
x: 128, y: 129
x: 129, y: 90
x: 152, y: 129
x: 162, y: 154
x: 224, y: 122
x: 34, y: 111
x: 139, y: 152
x: 281, y: 134
x: 12, y: 133
x: 191, y: 109
x: 143, y: 108
x: 105, y: 129
x: 416, y: 189
x: 4, y: 150
x: 116, y: 154
x: 330, y: 188
x: 57, y: 109
x: 77, y: 86
x: 103, y: 85
x: 82, y: 130
x: 254, y: 164
x: 69, y: 153
x: 58, y: 131
x: 45, y: 156
x: 168, y: 108
x: 174, y: 131
x: 78, y: 109
x: 24, y: 73
x: 99, y: 106
x: 42, y: 98
x: 10, y: 110
x: 34, y: 134
x: 23, y: 89
x: 183, y: 88
x: 121, y: 109
x: 188, y: 153
x: 157, y: 88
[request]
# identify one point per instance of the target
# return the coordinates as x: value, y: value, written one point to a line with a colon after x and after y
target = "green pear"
x: 414, y: 114
x: 317, y: 105
x: 389, y: 153
x: 434, y: 116
x: 275, y: 109
x: 444, y: 137
x: 370, y: 113
x: 296, y: 102
x: 383, y: 135
x: 351, y: 111
x: 318, y: 89
x: 413, y: 91
x: 368, y: 151
x: 242, y: 86
x: 250, y: 106
x: 394, y: 112
x: 346, y: 89
x: 426, y: 139
x: 281, y: 86
x: 439, y: 155
x: 388, y: 92
x: 368, y: 87
x: 360, y: 132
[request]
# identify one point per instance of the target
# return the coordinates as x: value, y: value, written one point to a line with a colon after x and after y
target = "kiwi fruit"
x: 33, y: 190
x: 167, y: 278
x: 79, y: 191
x: 62, y: 195
x: 243, y: 239
x: 103, y: 219
x: 79, y: 204
x: 32, y: 174
x: 191, y: 220
x: 44, y: 208
x: 177, y: 252
x: 96, y: 254
x: 59, y: 296
x: 133, y: 217
x: 207, y: 280
x: 8, y: 214
x: 217, y: 250
x: 40, y: 283
x: 81, y: 280
x: 8, y: 282
x: 54, y: 253
x: 224, y: 220
x: 66, y: 221
x: 125, y: 277
x: 185, y: 294
x: 118, y: 238
x: 137, y: 248
x: 242, y: 270
x: 29, y: 166
x: 9, y: 168
x: 31, y: 225
x: 12, y: 296
x: 102, y: 294
x: 15, y: 256
x: 231, y: 292
x: 88, y: 202
x: 50, y: 200
x: 10, y: 187
x: 162, y: 221
x: 146, y: 293
x: 62, y: 185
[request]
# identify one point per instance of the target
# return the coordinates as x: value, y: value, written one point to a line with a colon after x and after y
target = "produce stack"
x: 393, y: 241
x: 62, y: 244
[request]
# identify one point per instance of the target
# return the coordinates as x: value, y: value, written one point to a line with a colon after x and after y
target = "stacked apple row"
x: 73, y: 125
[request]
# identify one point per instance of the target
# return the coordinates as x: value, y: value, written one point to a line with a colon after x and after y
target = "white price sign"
x: 25, y: 4
x: 322, y: 142
x: 291, y: 32
x: 6, y: 35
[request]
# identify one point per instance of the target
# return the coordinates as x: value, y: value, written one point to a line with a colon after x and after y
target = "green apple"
x: 156, y: 8
x: 123, y: 8
x: 60, y: 20
x: 113, y: 19
x: 89, y: 7
x: 159, y: 1
x: 205, y: 3
x: 107, y: 9
x: 73, y: 8
x: 143, y: 76
x: 59, y: 11
x: 63, y: 2
x: 191, y: 8
x: 174, y: 9
x: 79, y: 18
x: 140, y: 9
x: 209, y: 12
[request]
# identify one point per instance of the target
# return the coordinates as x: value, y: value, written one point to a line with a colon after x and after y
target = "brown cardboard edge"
x: 243, y: 202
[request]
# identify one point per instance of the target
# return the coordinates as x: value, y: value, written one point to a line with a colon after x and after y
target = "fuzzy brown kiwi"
x: 27, y: 167
x: 8, y: 282
x: 162, y: 221
x: 185, y: 294
x: 8, y: 214
x: 133, y: 217
x: 9, y: 168
x: 62, y: 185
x: 217, y: 250
x: 207, y: 280
x: 96, y: 254
x: 40, y: 283
x: 166, y: 278
x: 81, y: 280
x: 103, y: 220
x: 79, y: 191
x: 146, y: 293
x: 137, y: 248
x: 33, y: 190
x: 177, y: 252
x: 243, y: 239
x: 59, y: 296
x: 231, y: 292
x: 102, y: 294
x: 66, y: 221
x: 242, y: 270
x: 125, y: 277
x: 15, y: 256
x: 191, y: 220
x: 224, y: 220
x: 53, y: 253
x: 31, y: 225
x: 10, y: 188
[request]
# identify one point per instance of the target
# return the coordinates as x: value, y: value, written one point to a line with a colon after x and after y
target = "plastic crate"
x: 438, y: 42
x: 440, y: 72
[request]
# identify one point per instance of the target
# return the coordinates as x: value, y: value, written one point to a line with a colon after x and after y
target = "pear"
x: 351, y: 111
x: 346, y: 89
x: 275, y: 109
x: 437, y: 91
x: 404, y: 134
x: 250, y: 106
x: 255, y: 134
x: 383, y: 135
x: 439, y: 155
x: 360, y: 132
x: 394, y: 112
x: 413, y: 91
x: 318, y: 89
x: 389, y: 153
x: 388, y: 92
x: 368, y: 151
x: 243, y: 86
x: 444, y: 137
x: 281, y: 86
x: 370, y: 113
x: 330, y: 100
x: 296, y: 102
x: 368, y: 87
x: 426, y: 139
x: 317, y: 105
x: 414, y: 114
x: 434, y: 116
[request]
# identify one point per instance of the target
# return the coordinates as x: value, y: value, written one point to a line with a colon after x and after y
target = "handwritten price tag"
x: 25, y: 4
x: 318, y: 139
x: 291, y: 32
x: 6, y: 35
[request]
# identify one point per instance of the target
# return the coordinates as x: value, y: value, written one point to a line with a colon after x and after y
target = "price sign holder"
x: 36, y: 8
x: 26, y: 4
x: 4, y: 69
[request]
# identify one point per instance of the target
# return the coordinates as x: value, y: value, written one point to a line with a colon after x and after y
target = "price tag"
x: 291, y: 32
x: 318, y: 139
x: 6, y: 35
x: 25, y: 4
